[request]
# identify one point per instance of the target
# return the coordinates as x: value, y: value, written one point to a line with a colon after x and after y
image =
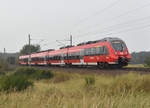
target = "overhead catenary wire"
x: 124, y: 14
x: 119, y: 25
x: 106, y: 9
x: 127, y: 30
x: 96, y: 13
x: 118, y: 32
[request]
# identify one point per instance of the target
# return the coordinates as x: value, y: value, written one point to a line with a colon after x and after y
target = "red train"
x: 103, y: 53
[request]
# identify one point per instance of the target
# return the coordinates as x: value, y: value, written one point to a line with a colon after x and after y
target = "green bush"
x: 14, y: 83
x: 4, y: 66
x: 2, y: 73
x: 90, y: 80
x: 33, y: 73
x: 25, y: 71
x: 42, y: 74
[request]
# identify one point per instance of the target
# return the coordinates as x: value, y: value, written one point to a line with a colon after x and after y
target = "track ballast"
x: 95, y: 70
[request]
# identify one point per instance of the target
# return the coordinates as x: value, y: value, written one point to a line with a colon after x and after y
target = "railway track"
x: 137, y: 69
x: 96, y: 70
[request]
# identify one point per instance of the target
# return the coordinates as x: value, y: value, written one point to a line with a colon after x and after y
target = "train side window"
x: 47, y: 58
x: 85, y: 52
x: 25, y: 60
x: 72, y: 56
x: 81, y: 53
x: 55, y: 58
x: 43, y: 59
x: 97, y: 50
x: 101, y: 50
x: 65, y: 57
x: 69, y: 56
x: 59, y: 57
x: 88, y: 52
x: 93, y: 51
x: 77, y: 56
x: 106, y: 50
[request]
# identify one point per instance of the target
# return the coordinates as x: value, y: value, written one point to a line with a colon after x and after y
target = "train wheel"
x: 48, y: 64
x: 68, y: 64
x: 119, y: 66
x: 100, y: 65
x: 106, y: 65
x: 103, y: 65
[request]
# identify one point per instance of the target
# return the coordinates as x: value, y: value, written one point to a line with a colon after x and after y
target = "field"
x: 136, y: 66
x: 72, y: 90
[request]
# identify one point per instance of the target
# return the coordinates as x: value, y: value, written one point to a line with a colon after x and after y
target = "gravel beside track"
x: 96, y: 70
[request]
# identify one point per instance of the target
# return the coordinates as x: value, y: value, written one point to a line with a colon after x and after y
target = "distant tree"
x: 139, y: 57
x: 12, y: 60
x: 4, y: 66
x: 27, y: 49
x: 147, y: 61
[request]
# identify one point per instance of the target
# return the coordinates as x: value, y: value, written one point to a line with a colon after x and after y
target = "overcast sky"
x: 52, y: 20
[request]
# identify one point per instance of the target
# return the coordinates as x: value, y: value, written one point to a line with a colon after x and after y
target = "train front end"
x: 120, y: 52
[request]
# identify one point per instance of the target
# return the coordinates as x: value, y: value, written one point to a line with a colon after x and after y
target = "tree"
x: 12, y: 60
x: 29, y: 49
x: 4, y: 66
x: 147, y: 61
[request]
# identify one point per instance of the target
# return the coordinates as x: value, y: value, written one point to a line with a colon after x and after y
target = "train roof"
x: 44, y: 51
x: 97, y: 41
x: 78, y: 46
x: 24, y: 56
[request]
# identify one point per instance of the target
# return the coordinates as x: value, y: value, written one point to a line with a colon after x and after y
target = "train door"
x: 82, y: 56
x: 62, y: 58
x: 45, y: 63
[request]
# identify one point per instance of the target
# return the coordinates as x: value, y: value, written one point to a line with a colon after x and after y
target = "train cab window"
x: 118, y: 45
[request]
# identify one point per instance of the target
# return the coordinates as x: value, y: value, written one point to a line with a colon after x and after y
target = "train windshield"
x: 118, y: 45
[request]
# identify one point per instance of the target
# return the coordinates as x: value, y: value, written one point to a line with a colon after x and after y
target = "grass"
x: 125, y: 91
x: 136, y: 66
